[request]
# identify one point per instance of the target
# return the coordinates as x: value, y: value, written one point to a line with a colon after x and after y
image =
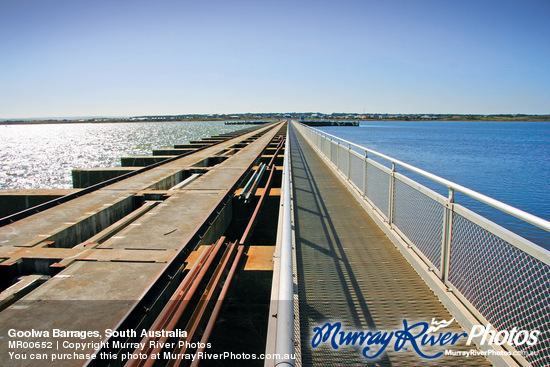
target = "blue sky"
x: 122, y: 58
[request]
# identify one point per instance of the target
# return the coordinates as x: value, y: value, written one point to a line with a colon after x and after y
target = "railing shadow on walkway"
x: 349, y: 285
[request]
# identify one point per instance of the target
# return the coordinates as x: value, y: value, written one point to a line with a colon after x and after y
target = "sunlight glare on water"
x: 43, y: 156
x: 508, y: 161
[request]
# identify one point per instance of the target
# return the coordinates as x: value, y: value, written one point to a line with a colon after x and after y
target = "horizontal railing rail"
x: 518, y: 213
x: 284, y: 345
x: 501, y: 277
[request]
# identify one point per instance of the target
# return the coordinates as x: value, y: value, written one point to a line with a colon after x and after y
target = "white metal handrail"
x: 284, y: 345
x: 518, y: 213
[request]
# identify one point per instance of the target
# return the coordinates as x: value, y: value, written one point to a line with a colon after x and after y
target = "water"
x: 508, y: 161
x: 42, y: 156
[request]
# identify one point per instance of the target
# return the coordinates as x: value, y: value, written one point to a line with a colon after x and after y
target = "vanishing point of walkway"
x: 349, y: 271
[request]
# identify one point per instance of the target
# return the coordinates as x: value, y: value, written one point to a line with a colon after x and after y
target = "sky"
x: 62, y: 58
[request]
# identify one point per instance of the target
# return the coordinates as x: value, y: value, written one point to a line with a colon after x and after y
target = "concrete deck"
x: 101, y: 282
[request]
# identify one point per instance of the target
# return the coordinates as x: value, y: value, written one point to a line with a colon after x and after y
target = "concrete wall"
x: 142, y: 161
x: 13, y: 201
x: 88, y: 177
x: 85, y: 228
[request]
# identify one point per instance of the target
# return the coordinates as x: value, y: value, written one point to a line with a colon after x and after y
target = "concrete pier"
x: 85, y: 177
x: 164, y: 152
x: 191, y: 146
x: 142, y: 161
x: 13, y: 201
x: 101, y: 255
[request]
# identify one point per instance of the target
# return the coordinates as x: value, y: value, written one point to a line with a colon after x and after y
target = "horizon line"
x: 61, y: 118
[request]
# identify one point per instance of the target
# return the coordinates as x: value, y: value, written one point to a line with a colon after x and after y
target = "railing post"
x: 338, y: 155
x: 365, y: 176
x: 349, y: 161
x: 447, y: 237
x: 319, y: 142
x: 391, y: 198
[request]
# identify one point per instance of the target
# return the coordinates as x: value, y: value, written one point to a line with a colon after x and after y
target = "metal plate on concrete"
x: 171, y: 224
x: 97, y: 280
x: 87, y: 298
x: 37, y: 227
x: 259, y: 258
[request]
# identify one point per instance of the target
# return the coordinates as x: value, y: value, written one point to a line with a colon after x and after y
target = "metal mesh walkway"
x: 349, y: 271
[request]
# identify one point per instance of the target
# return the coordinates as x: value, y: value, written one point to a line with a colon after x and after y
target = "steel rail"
x: 217, y: 308
x: 249, y: 183
x: 284, y: 344
x: 252, y: 222
x: 172, y: 265
x: 506, y: 208
x: 199, y: 314
x: 221, y: 297
x: 279, y: 147
x: 172, y: 312
x: 209, y: 295
x: 177, y: 304
x: 257, y: 180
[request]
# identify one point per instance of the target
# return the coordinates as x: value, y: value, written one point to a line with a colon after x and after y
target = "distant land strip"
x: 299, y: 116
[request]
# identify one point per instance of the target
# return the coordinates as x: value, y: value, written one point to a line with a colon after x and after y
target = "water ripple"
x: 42, y: 156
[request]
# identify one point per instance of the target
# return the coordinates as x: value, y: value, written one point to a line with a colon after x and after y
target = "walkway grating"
x: 349, y: 271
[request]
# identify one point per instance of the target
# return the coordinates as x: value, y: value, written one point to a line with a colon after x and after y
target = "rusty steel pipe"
x: 209, y: 295
x: 170, y: 314
x: 218, y: 307
x: 279, y: 147
x: 261, y: 171
x: 173, y: 319
x: 217, y: 286
x: 244, y: 238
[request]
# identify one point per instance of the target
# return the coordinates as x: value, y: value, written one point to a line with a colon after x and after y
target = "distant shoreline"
x: 40, y: 122
x: 357, y: 117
